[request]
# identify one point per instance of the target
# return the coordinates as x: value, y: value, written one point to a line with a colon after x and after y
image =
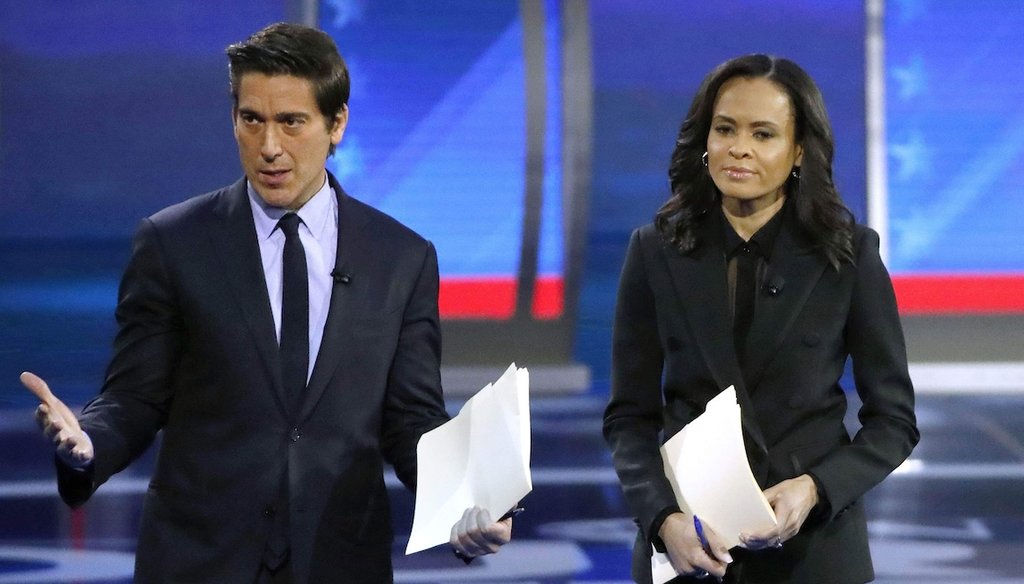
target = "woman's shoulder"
x: 647, y: 231
x: 649, y: 237
x: 863, y: 234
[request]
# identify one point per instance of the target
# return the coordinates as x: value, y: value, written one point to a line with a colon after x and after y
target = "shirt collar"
x: 762, y: 240
x: 314, y: 214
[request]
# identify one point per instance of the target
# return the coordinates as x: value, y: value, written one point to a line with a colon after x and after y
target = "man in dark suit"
x: 285, y: 338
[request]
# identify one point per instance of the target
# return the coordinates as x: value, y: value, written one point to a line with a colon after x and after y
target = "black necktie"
x: 746, y: 276
x: 294, y: 310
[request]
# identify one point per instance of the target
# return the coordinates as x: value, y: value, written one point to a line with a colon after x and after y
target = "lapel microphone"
x: 773, y: 287
x: 341, y: 277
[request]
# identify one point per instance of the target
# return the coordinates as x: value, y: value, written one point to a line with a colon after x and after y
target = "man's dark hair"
x: 297, y: 50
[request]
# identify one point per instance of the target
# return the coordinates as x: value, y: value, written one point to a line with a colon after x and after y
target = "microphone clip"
x: 341, y: 277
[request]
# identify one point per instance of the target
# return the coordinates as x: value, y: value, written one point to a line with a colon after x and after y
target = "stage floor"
x: 953, y: 514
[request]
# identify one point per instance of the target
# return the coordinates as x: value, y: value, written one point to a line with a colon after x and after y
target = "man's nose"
x: 270, y: 148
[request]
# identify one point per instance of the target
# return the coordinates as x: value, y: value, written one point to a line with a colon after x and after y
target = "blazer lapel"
x: 794, y: 270
x: 701, y: 283
x: 235, y: 244
x: 340, y: 312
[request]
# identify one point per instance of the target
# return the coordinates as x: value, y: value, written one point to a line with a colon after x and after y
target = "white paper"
x: 481, y: 457
x: 706, y: 463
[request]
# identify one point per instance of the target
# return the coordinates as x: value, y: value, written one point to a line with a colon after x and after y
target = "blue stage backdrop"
x: 111, y: 110
x: 955, y: 141
x: 438, y: 138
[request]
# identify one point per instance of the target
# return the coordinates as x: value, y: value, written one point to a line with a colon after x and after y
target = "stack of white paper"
x: 481, y: 457
x: 707, y: 466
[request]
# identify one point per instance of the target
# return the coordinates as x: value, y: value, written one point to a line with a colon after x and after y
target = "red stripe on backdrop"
x: 548, y: 298
x: 495, y: 298
x: 959, y: 293
x: 478, y: 298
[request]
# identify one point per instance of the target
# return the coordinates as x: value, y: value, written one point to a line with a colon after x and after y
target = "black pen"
x: 512, y: 513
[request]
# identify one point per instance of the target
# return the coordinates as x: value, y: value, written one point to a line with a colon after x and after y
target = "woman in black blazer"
x: 754, y: 274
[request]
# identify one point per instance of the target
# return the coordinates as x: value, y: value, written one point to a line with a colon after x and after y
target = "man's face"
x: 283, y: 139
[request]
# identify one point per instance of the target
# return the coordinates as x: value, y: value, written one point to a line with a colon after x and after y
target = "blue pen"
x: 704, y: 543
x: 700, y: 535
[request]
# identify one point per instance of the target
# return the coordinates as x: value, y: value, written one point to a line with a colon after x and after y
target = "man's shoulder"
x: 201, y: 206
x: 377, y: 222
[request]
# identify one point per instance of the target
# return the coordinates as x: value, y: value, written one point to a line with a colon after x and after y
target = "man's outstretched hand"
x: 59, y: 424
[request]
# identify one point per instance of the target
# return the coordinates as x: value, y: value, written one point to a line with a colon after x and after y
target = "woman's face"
x: 751, y: 145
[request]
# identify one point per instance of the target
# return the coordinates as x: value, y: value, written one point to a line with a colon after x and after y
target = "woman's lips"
x: 739, y: 173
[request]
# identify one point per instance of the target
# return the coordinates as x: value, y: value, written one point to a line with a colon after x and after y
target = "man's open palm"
x: 59, y: 424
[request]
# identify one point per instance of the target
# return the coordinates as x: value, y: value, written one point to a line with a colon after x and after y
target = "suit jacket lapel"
x: 794, y: 270
x: 701, y: 283
x: 339, y: 316
x: 235, y: 244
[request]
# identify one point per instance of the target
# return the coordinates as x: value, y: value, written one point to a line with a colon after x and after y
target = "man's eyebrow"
x: 284, y: 116
x: 243, y: 111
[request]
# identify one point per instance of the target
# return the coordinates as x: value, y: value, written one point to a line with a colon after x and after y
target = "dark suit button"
x: 812, y: 339
x: 795, y: 401
x: 294, y: 435
x: 672, y: 344
x: 269, y: 511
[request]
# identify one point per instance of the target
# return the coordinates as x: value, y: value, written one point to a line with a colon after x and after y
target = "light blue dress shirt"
x: 319, y: 235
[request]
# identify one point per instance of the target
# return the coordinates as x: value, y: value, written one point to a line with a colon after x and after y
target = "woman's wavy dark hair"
x: 820, y: 212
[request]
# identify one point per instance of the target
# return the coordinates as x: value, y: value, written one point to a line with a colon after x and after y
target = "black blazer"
x: 672, y: 343
x: 196, y: 356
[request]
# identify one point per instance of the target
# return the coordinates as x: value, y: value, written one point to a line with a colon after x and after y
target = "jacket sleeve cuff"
x: 655, y: 527
x: 823, y: 509
x: 75, y: 485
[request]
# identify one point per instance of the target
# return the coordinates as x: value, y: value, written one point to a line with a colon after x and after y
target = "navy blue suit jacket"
x: 196, y: 357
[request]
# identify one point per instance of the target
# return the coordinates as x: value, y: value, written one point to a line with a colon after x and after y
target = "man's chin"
x: 276, y: 197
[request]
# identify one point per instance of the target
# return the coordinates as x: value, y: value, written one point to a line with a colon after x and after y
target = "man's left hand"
x: 477, y: 535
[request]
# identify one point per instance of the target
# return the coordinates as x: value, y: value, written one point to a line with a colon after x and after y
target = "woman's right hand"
x: 688, y: 556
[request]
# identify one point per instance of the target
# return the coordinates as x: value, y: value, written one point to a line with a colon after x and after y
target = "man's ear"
x: 340, y: 123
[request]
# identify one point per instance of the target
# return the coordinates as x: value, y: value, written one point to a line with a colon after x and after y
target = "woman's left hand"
x: 792, y: 501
